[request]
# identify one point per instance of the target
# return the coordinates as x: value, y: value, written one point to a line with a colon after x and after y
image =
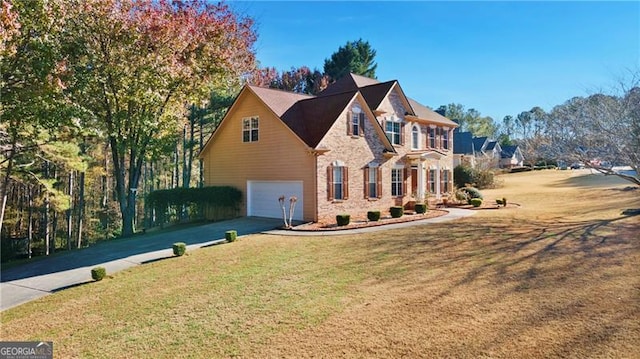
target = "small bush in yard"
x: 499, y: 202
x: 373, y: 215
x: 476, y: 202
x: 230, y: 236
x: 421, y: 208
x: 179, y: 248
x: 396, y: 211
x: 343, y: 219
x: 471, y: 192
x: 504, y: 201
x: 98, y: 273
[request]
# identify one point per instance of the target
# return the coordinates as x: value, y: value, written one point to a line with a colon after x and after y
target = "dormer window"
x: 250, y: 129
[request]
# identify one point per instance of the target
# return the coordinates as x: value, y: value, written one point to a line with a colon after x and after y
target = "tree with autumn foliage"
x: 301, y: 79
x: 133, y: 65
x: 35, y: 123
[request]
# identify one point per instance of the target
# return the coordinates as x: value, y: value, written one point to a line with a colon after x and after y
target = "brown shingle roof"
x: 374, y: 94
x: 426, y: 113
x: 350, y: 82
x: 278, y: 101
x: 311, y: 118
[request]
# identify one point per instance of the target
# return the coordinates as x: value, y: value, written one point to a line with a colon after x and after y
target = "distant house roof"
x: 491, y: 145
x: 508, y: 151
x: 478, y: 143
x: 463, y: 143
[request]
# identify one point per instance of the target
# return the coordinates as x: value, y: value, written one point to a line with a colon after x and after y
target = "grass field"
x: 556, y: 276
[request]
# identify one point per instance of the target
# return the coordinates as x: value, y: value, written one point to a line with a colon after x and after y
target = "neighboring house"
x: 463, y: 149
x: 481, y: 151
x: 359, y: 145
x: 487, y: 152
x: 511, y: 156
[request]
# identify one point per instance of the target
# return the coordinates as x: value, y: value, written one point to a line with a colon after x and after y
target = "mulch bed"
x: 363, y: 222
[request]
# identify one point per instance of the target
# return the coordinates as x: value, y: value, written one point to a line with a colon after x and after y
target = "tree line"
x: 600, y: 131
x: 102, y: 101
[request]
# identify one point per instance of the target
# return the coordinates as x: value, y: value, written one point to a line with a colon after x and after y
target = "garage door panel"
x: 262, y: 198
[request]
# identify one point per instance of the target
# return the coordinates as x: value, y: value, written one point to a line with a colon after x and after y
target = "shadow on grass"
x: 157, y: 259
x: 578, y: 273
x: 72, y: 286
x: 592, y: 180
x: 522, y: 253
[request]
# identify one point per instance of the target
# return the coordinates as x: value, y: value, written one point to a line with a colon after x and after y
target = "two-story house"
x: 483, y: 152
x: 359, y: 145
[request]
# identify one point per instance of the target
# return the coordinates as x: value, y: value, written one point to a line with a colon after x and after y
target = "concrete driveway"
x: 26, y: 282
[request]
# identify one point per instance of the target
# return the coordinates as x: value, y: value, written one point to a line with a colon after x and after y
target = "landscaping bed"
x: 362, y: 222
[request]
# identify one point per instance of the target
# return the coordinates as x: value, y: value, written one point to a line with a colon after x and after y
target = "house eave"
x: 424, y: 155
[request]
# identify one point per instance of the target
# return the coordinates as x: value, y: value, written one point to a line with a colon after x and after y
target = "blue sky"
x: 500, y: 58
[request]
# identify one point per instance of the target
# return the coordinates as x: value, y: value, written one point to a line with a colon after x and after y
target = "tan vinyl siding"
x: 278, y: 155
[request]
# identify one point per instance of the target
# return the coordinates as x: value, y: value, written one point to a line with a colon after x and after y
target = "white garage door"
x: 262, y: 198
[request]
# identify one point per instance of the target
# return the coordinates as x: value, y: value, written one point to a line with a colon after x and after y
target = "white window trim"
x: 395, y: 120
x: 400, y: 181
x: 251, y: 128
x: 415, y: 142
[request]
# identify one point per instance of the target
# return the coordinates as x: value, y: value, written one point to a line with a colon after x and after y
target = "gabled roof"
x: 374, y: 94
x: 508, y: 151
x: 491, y: 145
x: 375, y: 91
x: 463, y: 143
x: 426, y: 113
x: 311, y: 118
x: 350, y: 82
x: 478, y: 143
x: 278, y: 101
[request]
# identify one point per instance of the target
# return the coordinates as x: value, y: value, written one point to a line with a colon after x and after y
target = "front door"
x: 414, y: 181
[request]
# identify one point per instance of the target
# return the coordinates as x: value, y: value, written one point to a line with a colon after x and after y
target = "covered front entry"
x: 425, y: 174
x: 262, y: 198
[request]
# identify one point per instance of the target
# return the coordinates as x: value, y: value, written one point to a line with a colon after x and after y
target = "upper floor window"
x: 250, y: 129
x: 393, y: 129
x: 432, y: 137
x: 445, y: 139
x: 415, y: 138
x: 355, y: 125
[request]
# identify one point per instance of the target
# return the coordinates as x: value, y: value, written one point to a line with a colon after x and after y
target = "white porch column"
x: 421, y: 182
x: 437, y: 182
